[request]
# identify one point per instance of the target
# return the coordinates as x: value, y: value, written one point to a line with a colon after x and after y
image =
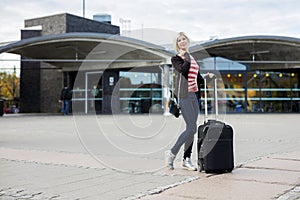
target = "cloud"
x: 200, y: 19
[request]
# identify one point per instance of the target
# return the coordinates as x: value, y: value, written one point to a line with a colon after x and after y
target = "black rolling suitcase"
x: 215, y: 142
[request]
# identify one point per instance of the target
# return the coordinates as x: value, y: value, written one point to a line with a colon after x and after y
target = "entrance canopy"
x: 264, y: 52
x: 70, y: 50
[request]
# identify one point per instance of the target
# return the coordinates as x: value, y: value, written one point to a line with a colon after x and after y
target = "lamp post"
x: 83, y: 8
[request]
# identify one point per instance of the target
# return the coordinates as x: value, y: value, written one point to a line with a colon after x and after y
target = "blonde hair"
x: 176, y: 40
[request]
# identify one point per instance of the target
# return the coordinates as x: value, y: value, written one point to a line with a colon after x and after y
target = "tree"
x: 9, y: 85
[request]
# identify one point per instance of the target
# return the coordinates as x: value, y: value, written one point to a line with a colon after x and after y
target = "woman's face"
x: 182, y: 43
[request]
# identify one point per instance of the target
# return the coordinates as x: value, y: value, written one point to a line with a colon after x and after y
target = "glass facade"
x: 256, y: 90
x: 273, y: 91
x: 240, y: 89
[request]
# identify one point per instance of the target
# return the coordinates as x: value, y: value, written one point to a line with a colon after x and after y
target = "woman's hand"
x: 210, y: 75
x: 181, y: 53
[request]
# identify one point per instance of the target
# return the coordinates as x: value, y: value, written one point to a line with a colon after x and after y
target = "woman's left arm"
x: 181, y: 65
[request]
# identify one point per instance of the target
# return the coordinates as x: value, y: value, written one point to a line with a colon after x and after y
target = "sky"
x: 201, y: 19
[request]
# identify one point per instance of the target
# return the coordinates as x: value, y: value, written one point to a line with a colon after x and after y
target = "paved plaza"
x: 121, y: 157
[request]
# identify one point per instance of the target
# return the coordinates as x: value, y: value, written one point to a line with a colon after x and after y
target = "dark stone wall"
x: 51, y: 85
x: 79, y: 24
x: 67, y: 23
x: 30, y: 33
x: 30, y: 87
x: 55, y: 24
x: 30, y: 80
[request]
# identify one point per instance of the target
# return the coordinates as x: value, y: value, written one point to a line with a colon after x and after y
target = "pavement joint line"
x: 77, y: 181
x: 87, y: 167
x: 164, y: 188
x: 266, y: 182
x: 84, y: 167
x: 23, y: 195
x: 73, y: 165
x: 268, y: 168
x: 292, y: 194
x: 19, y: 193
x: 98, y: 169
x: 289, y: 159
x: 241, y: 164
x: 52, y: 164
x: 161, y: 189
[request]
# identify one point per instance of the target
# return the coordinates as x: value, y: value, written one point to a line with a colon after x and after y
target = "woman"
x: 187, y: 89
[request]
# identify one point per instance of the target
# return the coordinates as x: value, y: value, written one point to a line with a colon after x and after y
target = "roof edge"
x: 246, y: 38
x: 81, y: 35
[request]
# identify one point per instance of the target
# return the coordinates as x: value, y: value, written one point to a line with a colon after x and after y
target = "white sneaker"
x: 169, y: 158
x: 187, y: 164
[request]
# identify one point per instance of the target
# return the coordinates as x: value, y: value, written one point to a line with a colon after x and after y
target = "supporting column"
x: 166, y: 89
x: 246, y: 87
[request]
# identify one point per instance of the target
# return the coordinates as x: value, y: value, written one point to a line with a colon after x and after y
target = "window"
x: 140, y: 91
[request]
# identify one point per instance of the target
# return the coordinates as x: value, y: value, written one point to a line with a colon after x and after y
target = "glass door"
x: 93, y: 92
x: 140, y: 92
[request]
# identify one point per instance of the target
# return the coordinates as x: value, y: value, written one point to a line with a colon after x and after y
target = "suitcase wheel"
x: 200, y: 165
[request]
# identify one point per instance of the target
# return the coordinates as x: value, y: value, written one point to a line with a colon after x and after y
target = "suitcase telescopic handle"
x: 215, y: 97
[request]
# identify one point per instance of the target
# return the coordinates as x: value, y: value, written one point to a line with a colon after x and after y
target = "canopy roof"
x: 255, y: 51
x: 71, y: 49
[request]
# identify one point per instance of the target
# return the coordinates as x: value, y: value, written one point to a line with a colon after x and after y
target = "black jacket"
x: 182, y: 68
x: 66, y: 94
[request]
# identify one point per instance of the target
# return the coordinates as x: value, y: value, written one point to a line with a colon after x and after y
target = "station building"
x: 109, y: 73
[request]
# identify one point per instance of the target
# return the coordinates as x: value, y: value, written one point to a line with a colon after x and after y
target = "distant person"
x: 65, y: 98
x: 186, y: 88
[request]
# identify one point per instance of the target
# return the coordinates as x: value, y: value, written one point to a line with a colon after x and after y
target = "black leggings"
x: 188, y: 152
x: 189, y: 111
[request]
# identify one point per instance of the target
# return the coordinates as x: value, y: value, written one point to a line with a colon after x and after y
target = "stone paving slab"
x: 34, y: 180
x: 72, y: 159
x: 282, y: 177
x: 216, y: 188
x: 267, y: 178
x: 274, y: 163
